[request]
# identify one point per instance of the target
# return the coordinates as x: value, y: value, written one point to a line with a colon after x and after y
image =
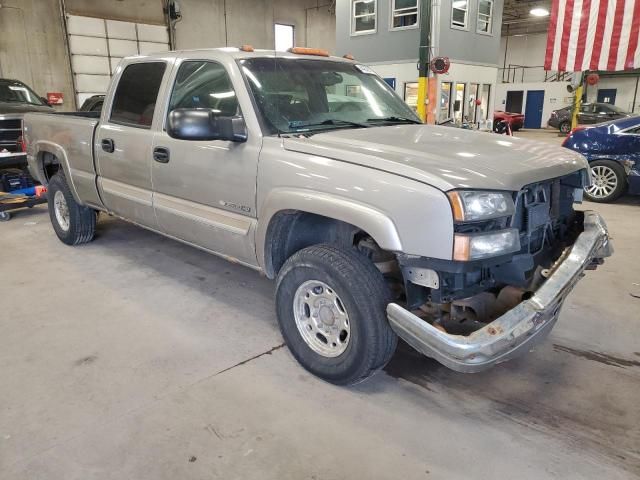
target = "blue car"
x: 613, y: 151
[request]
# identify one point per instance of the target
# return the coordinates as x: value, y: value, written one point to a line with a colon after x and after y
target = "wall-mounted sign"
x: 55, y: 98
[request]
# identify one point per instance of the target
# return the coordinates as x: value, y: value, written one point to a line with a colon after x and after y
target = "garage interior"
x: 137, y: 356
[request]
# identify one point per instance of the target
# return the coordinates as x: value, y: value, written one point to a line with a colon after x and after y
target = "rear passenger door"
x: 124, y: 140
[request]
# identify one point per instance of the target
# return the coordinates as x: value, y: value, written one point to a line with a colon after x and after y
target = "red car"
x: 515, y: 120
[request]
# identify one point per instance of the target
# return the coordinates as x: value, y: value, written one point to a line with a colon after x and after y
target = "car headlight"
x: 474, y: 246
x: 473, y: 205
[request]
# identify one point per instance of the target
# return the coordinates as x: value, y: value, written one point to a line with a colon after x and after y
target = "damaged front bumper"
x: 518, y: 330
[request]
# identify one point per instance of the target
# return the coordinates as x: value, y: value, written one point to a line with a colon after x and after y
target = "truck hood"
x: 10, y: 108
x: 444, y: 157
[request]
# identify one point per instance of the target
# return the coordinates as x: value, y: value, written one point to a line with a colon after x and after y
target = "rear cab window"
x: 136, y: 95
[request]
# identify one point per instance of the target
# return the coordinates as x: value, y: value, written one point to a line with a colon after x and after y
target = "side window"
x: 204, y: 84
x: 136, y: 94
x: 603, y: 109
x: 459, y: 11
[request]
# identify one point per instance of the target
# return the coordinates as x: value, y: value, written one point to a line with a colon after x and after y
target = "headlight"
x: 470, y: 205
x: 475, y: 246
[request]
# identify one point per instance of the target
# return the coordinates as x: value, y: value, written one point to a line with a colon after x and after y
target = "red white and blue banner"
x: 593, y: 35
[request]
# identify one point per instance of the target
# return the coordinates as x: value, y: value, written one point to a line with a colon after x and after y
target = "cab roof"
x: 237, y: 53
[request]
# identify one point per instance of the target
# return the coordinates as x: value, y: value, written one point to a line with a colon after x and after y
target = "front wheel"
x: 608, y: 181
x: 73, y: 223
x: 331, y: 305
x: 565, y: 127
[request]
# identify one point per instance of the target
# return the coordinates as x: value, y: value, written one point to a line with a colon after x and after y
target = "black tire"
x: 565, y: 127
x: 621, y: 185
x: 82, y: 220
x: 364, y: 294
x: 5, y: 216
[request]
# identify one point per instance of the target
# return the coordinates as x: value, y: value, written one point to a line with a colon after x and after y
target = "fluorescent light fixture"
x: 539, y: 12
x: 460, y: 4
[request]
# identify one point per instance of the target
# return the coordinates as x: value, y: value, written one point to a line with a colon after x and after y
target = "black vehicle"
x: 92, y: 104
x: 589, y: 114
x: 16, y: 99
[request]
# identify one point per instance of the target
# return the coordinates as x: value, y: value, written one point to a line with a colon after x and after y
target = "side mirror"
x: 204, y: 124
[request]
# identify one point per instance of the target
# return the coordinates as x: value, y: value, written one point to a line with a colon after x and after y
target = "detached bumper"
x: 522, y: 327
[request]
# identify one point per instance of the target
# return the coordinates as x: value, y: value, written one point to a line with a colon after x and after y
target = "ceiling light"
x: 539, y: 12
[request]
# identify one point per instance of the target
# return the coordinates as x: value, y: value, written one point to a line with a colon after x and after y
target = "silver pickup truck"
x: 311, y: 170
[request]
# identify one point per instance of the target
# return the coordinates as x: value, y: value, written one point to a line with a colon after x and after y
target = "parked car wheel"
x: 565, y: 127
x: 73, y: 223
x: 331, y: 306
x: 609, y: 181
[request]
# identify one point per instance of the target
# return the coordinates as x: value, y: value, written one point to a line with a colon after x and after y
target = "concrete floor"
x: 136, y: 357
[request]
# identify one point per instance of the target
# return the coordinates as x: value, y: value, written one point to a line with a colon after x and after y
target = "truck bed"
x: 71, y: 136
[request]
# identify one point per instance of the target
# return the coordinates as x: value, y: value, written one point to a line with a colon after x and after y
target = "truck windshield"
x: 304, y: 95
x: 17, y: 92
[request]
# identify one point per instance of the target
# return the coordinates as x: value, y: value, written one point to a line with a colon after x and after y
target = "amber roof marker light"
x: 247, y: 48
x: 348, y: 56
x: 309, y: 51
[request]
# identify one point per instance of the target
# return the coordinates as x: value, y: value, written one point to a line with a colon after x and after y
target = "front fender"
x: 374, y: 222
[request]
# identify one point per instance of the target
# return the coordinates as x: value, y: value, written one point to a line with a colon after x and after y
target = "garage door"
x: 97, y: 45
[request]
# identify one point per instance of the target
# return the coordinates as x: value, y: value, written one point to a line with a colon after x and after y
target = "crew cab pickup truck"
x: 311, y: 170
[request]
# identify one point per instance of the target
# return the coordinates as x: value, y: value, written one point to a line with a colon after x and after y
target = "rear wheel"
x: 565, y: 127
x: 331, y: 305
x: 608, y: 181
x: 73, y: 223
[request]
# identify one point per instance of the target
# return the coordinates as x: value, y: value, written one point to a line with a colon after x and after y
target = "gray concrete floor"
x: 136, y: 357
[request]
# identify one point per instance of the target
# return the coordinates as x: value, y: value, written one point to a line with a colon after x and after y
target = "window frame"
x: 293, y: 34
x: 176, y: 70
x: 466, y: 17
x: 112, y: 101
x: 392, y: 11
x: 490, y: 21
x: 353, y: 18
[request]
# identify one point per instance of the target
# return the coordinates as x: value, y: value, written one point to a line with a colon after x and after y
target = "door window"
x: 136, y: 95
x: 204, y: 84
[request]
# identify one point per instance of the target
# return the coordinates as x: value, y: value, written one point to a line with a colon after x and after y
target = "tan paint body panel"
x: 221, y: 196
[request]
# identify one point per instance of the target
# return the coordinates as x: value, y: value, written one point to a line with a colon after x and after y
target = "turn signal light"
x: 309, y: 51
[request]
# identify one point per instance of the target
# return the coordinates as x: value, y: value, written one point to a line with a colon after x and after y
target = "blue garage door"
x: 533, y: 109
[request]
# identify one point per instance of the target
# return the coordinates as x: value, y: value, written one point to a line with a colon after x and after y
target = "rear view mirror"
x: 204, y: 124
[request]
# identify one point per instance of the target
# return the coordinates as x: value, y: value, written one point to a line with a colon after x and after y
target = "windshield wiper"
x: 394, y: 119
x: 332, y: 122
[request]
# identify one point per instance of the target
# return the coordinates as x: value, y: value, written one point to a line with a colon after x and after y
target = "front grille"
x: 10, y: 130
x: 544, y: 212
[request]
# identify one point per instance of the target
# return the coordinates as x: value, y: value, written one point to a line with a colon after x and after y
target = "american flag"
x: 593, y: 35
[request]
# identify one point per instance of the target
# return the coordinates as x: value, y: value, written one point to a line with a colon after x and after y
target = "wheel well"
x: 49, y: 165
x: 292, y: 230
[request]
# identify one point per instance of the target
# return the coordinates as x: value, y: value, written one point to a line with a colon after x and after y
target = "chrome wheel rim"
x: 61, y: 210
x: 321, y: 318
x: 604, y: 181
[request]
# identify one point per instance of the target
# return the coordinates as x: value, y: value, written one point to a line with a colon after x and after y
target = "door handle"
x: 108, y: 145
x: 161, y: 154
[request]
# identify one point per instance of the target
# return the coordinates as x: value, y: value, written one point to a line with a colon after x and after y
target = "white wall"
x: 555, y: 96
x: 458, y: 73
x: 524, y: 50
x: 625, y: 88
